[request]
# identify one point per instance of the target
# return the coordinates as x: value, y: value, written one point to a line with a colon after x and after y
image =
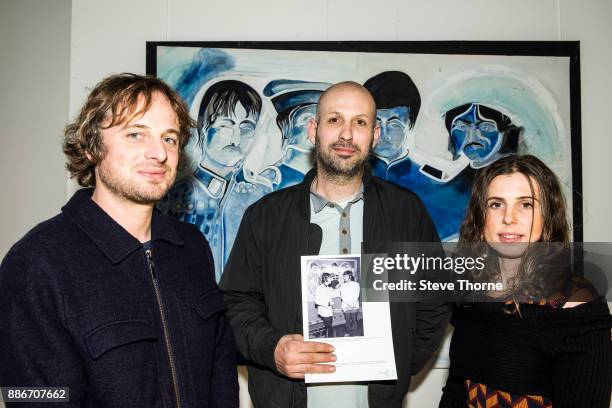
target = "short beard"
x: 128, y: 191
x: 333, y: 168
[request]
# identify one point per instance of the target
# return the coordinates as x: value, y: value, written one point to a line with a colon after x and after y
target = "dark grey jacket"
x: 261, y: 282
x: 82, y: 307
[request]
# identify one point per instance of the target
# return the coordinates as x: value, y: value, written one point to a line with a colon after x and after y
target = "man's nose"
x: 471, y: 134
x: 346, y: 132
x: 156, y: 150
x: 235, y: 136
x: 384, y: 131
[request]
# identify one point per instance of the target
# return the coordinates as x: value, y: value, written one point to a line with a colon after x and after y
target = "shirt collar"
x: 319, y: 202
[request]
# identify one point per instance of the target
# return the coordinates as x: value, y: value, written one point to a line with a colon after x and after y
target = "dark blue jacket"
x: 83, y: 306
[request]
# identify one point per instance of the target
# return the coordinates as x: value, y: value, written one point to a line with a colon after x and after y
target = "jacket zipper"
x: 162, y: 314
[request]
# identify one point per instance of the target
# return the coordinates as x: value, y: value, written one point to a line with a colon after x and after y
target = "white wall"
x: 591, y: 23
x: 34, y: 83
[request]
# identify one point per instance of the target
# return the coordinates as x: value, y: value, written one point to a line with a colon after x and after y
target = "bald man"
x: 337, y: 206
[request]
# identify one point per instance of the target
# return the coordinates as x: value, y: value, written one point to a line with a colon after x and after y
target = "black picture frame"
x: 568, y: 49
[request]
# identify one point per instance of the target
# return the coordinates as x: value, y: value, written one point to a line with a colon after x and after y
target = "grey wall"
x: 34, y: 89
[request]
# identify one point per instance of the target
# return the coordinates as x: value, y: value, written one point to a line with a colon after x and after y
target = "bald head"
x: 346, y: 89
x: 344, y: 132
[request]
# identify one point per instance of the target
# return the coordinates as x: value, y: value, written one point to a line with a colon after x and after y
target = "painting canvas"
x: 446, y: 109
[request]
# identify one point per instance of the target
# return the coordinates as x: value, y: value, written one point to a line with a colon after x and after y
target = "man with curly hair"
x: 110, y: 298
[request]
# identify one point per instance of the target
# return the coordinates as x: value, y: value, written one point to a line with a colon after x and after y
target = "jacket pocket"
x: 209, y: 304
x: 116, y: 334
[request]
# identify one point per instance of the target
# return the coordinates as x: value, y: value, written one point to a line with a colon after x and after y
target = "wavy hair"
x: 114, y: 101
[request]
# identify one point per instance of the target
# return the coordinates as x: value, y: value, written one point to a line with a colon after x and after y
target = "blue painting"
x: 442, y: 115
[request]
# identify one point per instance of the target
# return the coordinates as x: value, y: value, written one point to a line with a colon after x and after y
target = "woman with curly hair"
x: 544, y: 340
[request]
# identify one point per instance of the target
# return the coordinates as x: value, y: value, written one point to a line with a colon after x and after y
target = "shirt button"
x: 330, y: 205
x: 344, y: 251
x: 344, y: 231
x: 344, y: 214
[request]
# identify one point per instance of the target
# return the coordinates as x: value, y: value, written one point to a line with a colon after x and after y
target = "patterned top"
x: 481, y: 396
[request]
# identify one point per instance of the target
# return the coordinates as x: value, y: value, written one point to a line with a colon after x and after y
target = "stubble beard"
x: 129, y: 190
x: 338, y: 168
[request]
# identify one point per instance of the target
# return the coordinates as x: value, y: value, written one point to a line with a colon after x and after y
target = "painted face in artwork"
x: 477, y: 136
x: 230, y: 137
x: 393, y: 123
x: 297, y: 136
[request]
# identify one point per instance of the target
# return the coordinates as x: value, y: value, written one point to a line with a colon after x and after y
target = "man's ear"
x: 376, y: 134
x: 312, y: 130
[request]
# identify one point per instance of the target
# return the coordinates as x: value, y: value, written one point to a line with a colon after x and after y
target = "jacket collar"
x: 304, y: 189
x: 110, y: 237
